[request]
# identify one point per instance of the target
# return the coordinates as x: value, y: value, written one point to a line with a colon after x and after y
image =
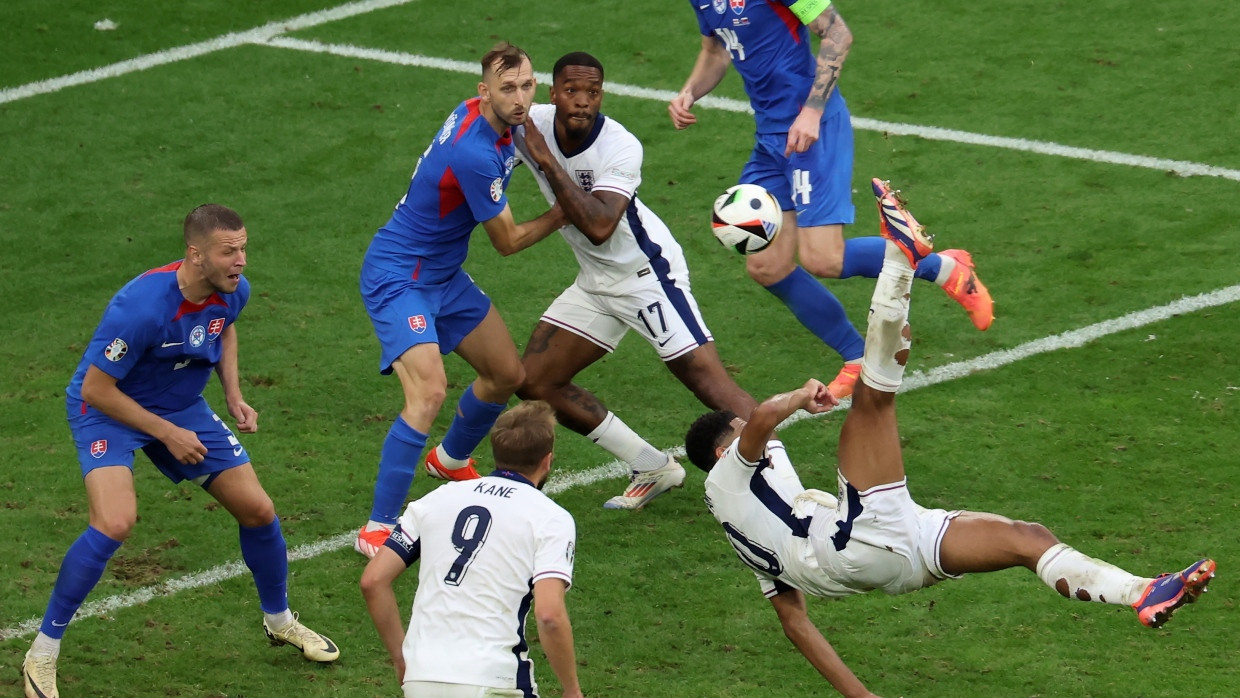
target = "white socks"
x: 1078, y: 576
x: 44, y: 645
x: 624, y: 443
x: 887, y: 339
x: 947, y: 266
x: 279, y: 621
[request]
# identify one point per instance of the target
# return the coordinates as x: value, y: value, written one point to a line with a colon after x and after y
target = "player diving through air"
x: 874, y: 536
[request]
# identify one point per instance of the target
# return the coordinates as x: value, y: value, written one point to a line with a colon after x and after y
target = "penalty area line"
x: 916, y: 380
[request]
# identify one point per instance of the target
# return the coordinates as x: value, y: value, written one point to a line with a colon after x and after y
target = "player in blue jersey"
x: 139, y: 386
x: 422, y: 303
x: 800, y: 541
x: 803, y: 152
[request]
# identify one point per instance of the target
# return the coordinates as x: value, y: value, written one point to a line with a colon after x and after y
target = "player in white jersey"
x: 489, y: 547
x: 632, y: 276
x: 874, y: 536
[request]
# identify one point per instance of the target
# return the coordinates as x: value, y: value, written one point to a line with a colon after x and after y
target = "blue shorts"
x: 407, y: 313
x: 818, y: 182
x: 102, y: 441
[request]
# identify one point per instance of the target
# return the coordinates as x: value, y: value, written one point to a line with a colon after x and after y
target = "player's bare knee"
x: 1032, y: 540
x: 823, y: 266
x: 768, y: 269
x: 116, y: 526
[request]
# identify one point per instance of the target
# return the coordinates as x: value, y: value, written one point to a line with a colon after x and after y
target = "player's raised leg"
x: 489, y: 349
x: 266, y: 555
x: 951, y: 270
x: 113, y: 512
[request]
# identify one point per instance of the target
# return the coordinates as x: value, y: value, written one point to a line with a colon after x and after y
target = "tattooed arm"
x: 835, y: 40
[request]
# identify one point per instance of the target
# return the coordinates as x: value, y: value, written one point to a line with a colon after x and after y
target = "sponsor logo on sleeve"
x: 116, y: 350
x: 98, y: 448
x: 417, y: 323
x: 197, y: 336
x: 497, y: 189
x: 570, y: 552
x: 215, y: 327
x: 623, y: 174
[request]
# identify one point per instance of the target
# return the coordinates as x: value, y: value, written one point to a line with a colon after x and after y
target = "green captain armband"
x: 808, y: 10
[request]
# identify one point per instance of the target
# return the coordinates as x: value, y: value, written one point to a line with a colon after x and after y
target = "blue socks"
x: 397, y: 464
x: 864, y: 257
x: 266, y: 554
x: 474, y: 419
x: 820, y: 311
x: 80, y: 571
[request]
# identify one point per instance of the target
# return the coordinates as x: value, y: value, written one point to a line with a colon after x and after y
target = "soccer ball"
x: 746, y: 218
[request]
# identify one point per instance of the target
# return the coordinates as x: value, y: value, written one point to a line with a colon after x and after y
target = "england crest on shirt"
x: 586, y: 179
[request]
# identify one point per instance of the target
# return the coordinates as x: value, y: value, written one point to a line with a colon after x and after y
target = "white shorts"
x: 435, y: 689
x: 663, y: 311
x: 892, y: 543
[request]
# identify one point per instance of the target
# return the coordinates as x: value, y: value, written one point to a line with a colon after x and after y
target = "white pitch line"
x: 615, y: 469
x: 1180, y: 167
x: 180, y: 53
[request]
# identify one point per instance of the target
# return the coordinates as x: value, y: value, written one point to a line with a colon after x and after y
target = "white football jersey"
x: 754, y: 503
x: 483, y: 544
x: 609, y: 160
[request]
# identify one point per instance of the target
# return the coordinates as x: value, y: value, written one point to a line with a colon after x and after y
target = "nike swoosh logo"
x: 60, y: 625
x: 236, y: 451
x: 665, y: 341
x: 171, y: 344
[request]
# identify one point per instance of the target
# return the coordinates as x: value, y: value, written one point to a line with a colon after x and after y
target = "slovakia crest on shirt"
x: 98, y: 448
x: 197, y: 336
x: 417, y: 323
x: 720, y: 6
x: 214, y: 328
x: 738, y: 6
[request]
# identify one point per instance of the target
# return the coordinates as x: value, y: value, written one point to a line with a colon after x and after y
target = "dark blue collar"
x: 589, y: 141
x: 510, y: 475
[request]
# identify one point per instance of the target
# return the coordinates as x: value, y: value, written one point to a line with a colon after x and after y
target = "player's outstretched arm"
x: 509, y: 237
x: 708, y: 70
x: 230, y: 378
x: 556, y: 633
x: 100, y: 392
x: 835, y: 39
x: 595, y: 214
x: 376, y: 584
x: 813, y: 397
x: 790, y: 607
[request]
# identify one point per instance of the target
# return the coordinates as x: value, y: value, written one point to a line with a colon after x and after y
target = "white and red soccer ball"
x: 746, y: 218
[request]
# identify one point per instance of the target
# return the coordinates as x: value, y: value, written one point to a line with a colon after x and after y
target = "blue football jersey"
x: 771, y: 50
x: 459, y: 182
x: 160, y: 347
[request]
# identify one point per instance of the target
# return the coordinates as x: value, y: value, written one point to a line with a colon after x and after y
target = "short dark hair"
x: 523, y: 436
x: 507, y: 55
x: 578, y: 58
x: 208, y: 218
x: 705, y: 435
